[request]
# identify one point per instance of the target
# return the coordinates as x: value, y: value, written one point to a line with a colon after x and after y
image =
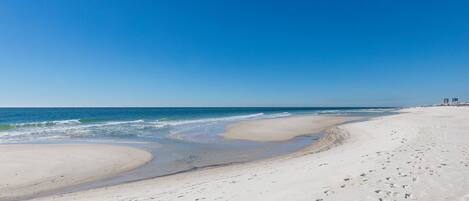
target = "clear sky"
x: 233, y: 53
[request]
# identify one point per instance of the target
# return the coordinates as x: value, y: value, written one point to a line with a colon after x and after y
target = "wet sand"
x: 419, y: 154
x: 28, y: 169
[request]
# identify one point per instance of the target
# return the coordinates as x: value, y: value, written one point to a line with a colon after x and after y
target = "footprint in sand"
x: 322, y: 164
x: 328, y: 192
x: 407, y: 195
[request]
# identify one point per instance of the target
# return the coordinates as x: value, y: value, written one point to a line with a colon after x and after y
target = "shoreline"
x: 418, y: 154
x: 330, y: 137
x: 29, y: 170
x: 77, y: 186
x: 322, y: 128
x: 284, y: 128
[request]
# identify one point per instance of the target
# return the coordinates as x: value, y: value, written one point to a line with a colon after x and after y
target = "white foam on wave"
x: 278, y: 115
x: 47, y: 123
x: 65, y: 127
x: 162, y: 124
x: 206, y: 120
x: 111, y: 123
x: 74, y: 128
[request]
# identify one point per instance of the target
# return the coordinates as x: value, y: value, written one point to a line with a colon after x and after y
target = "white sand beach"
x: 27, y: 169
x: 419, y: 154
x: 279, y: 129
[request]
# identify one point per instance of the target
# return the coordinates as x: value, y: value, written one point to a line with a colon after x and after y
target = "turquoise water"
x: 187, y: 124
x: 181, y: 139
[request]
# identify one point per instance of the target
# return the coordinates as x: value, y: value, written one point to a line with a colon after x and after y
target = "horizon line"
x: 201, y: 106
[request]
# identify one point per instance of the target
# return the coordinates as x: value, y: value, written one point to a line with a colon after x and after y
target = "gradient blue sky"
x: 232, y: 53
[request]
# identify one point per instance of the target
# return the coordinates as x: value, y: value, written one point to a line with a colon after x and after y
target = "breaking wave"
x: 82, y: 128
x: 39, y: 124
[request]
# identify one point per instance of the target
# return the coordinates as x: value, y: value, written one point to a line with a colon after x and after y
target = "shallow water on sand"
x: 180, y: 139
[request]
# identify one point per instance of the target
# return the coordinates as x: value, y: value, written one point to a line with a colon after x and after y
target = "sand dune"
x: 420, y: 154
x: 28, y: 169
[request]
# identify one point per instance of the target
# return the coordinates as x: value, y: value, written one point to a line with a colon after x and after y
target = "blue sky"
x: 232, y: 53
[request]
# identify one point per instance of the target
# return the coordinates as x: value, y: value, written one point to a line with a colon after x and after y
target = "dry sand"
x: 28, y: 169
x: 279, y: 129
x: 420, y: 154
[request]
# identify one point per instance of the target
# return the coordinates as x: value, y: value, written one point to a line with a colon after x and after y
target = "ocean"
x: 181, y: 139
x: 107, y: 124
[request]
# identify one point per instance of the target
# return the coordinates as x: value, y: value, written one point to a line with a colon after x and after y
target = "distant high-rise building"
x: 454, y: 101
x: 446, y: 101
